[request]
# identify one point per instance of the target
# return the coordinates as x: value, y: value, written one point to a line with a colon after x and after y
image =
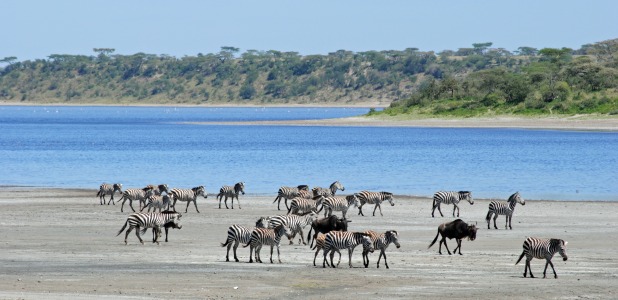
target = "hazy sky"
x: 34, y: 29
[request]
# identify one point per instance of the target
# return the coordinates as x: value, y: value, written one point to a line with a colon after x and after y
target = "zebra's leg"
x: 226, y: 202
x: 325, y: 252
x: 360, y: 209
x: 316, y: 255
x: 278, y: 256
x: 528, y: 259
x: 137, y: 234
x: 174, y: 204
x: 488, y: 219
x: 235, y: 247
x: 302, y: 237
x: 495, y: 218
x: 251, y: 254
x: 552, y: 267
x: 127, y: 234
x: 237, y: 200
x: 258, y: 253
x: 195, y: 204
x: 510, y: 218
x: 220, y: 197
x: 286, y: 204
x: 350, y: 250
x: 332, y: 254
x: 111, y: 200
x: 380, y: 257
x: 166, y: 229
x: 279, y: 203
x: 131, y: 205
x: 455, y: 207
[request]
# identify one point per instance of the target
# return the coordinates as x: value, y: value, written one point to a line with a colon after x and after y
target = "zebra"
x: 294, y: 223
x: 448, y: 198
x: 188, y: 195
x: 265, y: 236
x: 319, y: 245
x: 326, y: 192
x: 157, y: 201
x: 160, y: 189
x: 288, y: 192
x: 153, y: 220
x: 381, y: 242
x: 373, y: 198
x: 337, y: 203
x: 336, y: 240
x: 135, y: 194
x: 302, y: 205
x: 108, y: 189
x: 231, y: 191
x: 502, y: 208
x: 237, y: 234
x: 542, y: 248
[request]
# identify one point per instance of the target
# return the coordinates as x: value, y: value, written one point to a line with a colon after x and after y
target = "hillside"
x: 470, y: 81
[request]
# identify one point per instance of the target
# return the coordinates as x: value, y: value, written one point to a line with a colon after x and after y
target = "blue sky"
x: 35, y: 29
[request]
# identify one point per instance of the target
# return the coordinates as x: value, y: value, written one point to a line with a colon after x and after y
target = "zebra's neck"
x: 512, y: 205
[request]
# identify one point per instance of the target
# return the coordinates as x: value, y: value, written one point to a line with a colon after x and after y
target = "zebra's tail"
x: 521, y: 256
x: 488, y: 217
x: 245, y: 246
x: 433, y: 204
x: 309, y: 237
x: 99, y: 193
x: 276, y: 199
x: 123, y: 227
x: 434, y: 240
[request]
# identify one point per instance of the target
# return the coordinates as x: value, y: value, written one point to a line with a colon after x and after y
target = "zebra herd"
x: 304, y: 209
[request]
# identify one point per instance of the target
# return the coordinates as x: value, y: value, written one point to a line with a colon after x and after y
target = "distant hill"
x: 468, y: 81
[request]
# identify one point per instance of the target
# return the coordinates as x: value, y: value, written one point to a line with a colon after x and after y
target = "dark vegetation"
x: 470, y: 81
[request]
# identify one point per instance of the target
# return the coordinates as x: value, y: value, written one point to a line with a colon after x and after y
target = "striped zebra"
x: 299, y: 206
x: 294, y: 223
x: 380, y: 242
x: 237, y: 234
x: 231, y: 191
x: 143, y: 221
x: 338, y: 203
x: 108, y: 189
x: 306, y: 194
x: 504, y: 208
x: 326, y: 192
x: 135, y: 195
x: 542, y: 248
x: 157, y: 201
x: 448, y: 198
x: 336, y: 240
x: 288, y: 192
x: 265, y: 236
x: 373, y: 198
x: 188, y: 195
x: 319, y: 245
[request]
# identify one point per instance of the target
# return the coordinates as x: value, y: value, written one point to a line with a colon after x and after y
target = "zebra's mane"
x: 513, y: 197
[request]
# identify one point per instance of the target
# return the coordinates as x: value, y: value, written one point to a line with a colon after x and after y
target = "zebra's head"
x: 260, y: 222
x: 163, y: 188
x: 517, y: 198
x: 389, y: 197
x: 353, y: 200
x: 466, y: 195
x: 336, y: 186
x: 118, y: 187
x: 239, y: 188
x: 562, y: 249
x: 200, y: 190
x: 393, y: 237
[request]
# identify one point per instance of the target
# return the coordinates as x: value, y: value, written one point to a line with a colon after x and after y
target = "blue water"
x: 82, y: 147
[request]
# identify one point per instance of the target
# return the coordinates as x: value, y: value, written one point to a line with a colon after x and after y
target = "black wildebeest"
x: 457, y: 229
x: 325, y: 225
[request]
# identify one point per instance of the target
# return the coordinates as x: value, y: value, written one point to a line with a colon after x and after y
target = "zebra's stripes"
x: 143, y: 221
x: 450, y: 198
x: 319, y: 246
x: 135, y: 195
x: 108, y: 189
x: 188, y: 195
x: 230, y: 192
x: 299, y: 206
x: 327, y: 192
x: 157, y: 201
x: 288, y: 192
x: 306, y: 194
x: 265, y: 236
x: 374, y: 198
x: 380, y: 242
x: 338, y: 203
x: 542, y: 248
x: 294, y: 223
x: 336, y: 240
x: 501, y: 208
x: 237, y: 234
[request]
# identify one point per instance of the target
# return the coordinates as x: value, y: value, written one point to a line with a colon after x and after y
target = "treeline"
x: 473, y: 80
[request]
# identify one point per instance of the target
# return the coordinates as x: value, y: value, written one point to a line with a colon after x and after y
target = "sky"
x: 34, y: 29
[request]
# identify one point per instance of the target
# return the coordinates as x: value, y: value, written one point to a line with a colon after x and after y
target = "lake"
x: 83, y: 146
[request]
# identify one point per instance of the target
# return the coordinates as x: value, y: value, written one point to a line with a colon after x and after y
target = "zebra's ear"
x: 565, y: 243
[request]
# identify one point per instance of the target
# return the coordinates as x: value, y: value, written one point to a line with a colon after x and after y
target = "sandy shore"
x: 61, y: 244
x: 564, y: 123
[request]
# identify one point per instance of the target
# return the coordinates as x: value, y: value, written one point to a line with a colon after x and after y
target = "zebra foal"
x: 542, y: 248
x: 450, y: 198
x: 373, y: 198
x: 188, y: 195
x: 265, y: 236
x: 237, y: 234
x: 327, y: 192
x: 108, y: 189
x: 507, y: 209
x: 143, y: 221
x: 231, y: 192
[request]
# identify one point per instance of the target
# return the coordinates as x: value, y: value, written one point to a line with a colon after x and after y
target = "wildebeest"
x: 325, y: 225
x: 457, y: 229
